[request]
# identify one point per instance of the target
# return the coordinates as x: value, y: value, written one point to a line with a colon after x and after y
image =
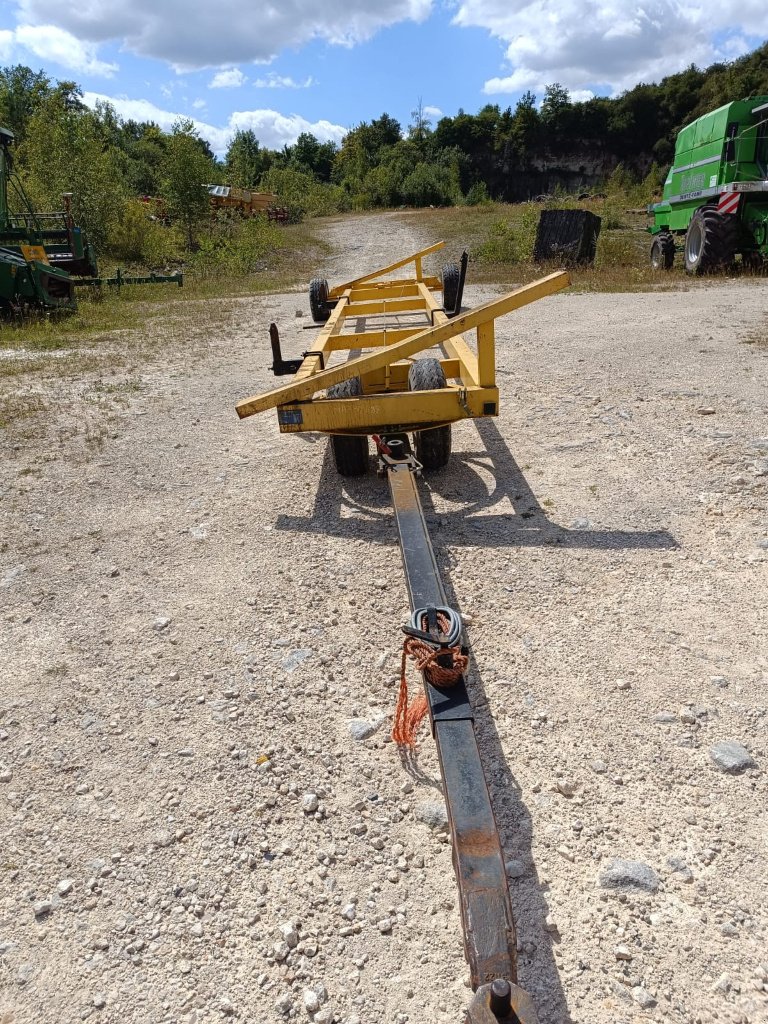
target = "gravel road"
x: 202, y: 816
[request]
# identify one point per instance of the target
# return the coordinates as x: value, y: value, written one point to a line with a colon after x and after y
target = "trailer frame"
x: 385, y: 403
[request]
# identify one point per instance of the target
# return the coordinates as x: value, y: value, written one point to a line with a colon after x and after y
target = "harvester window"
x: 730, y: 140
x: 761, y: 147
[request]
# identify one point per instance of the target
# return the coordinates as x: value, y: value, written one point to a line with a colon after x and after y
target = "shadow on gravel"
x: 358, y: 507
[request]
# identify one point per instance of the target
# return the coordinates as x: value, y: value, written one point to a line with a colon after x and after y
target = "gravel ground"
x: 202, y: 816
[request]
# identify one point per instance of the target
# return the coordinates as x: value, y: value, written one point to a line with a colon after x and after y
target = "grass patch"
x: 500, y: 238
x: 101, y: 347
x: 106, y: 310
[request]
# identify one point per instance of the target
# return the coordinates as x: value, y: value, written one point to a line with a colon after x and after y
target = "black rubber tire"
x: 663, y: 251
x: 319, y: 306
x: 350, y: 451
x: 451, y: 276
x: 711, y: 241
x: 433, y: 447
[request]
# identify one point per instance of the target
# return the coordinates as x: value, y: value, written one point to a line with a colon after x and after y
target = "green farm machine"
x: 715, y: 200
x: 38, y: 251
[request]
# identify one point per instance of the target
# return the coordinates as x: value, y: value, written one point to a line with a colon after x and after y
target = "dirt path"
x: 194, y: 614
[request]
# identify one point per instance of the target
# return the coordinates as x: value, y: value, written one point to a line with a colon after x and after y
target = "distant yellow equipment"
x: 245, y: 202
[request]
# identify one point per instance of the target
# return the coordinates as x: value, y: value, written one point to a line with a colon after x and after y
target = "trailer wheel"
x: 451, y: 276
x: 350, y: 451
x: 710, y: 242
x: 663, y: 251
x: 433, y: 447
x: 318, y: 299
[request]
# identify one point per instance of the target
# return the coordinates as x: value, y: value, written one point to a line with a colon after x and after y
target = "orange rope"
x: 408, y: 719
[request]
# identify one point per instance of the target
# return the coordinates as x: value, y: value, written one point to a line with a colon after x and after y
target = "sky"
x: 282, y: 67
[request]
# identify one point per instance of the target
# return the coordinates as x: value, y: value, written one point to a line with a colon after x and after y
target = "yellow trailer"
x: 386, y: 390
x: 421, y: 370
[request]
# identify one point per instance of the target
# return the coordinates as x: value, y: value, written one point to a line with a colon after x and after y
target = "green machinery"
x: 715, y: 199
x: 38, y: 251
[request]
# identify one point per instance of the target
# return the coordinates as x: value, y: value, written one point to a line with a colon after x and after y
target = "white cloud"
x: 197, y: 33
x: 6, y: 44
x: 51, y: 43
x: 227, y: 78
x: 273, y: 129
x: 613, y: 43
x: 273, y: 81
x: 433, y: 111
x: 198, y: 104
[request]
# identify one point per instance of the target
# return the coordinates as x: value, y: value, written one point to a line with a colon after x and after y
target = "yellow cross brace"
x: 414, y: 258
x: 474, y: 318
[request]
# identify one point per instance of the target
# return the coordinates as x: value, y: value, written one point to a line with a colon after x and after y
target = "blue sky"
x: 286, y: 66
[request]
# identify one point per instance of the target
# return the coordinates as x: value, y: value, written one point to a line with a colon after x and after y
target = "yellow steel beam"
x: 339, y: 289
x: 398, y: 410
x: 384, y: 305
x: 437, y: 335
x: 392, y: 289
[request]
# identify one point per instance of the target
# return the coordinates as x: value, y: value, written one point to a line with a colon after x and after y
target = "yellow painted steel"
x: 405, y: 318
x: 308, y: 381
x: 395, y: 411
x: 413, y: 258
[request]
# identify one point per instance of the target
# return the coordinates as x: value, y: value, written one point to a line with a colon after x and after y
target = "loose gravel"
x: 202, y: 815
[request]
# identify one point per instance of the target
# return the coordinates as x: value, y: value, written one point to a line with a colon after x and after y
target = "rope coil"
x: 441, y: 658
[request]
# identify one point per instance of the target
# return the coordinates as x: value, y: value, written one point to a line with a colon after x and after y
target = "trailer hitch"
x: 488, y: 923
x: 501, y: 1002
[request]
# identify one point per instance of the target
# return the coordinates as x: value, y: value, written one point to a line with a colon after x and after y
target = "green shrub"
x: 236, y: 247
x: 302, y: 195
x: 511, y: 241
x: 135, y: 238
x: 477, y: 194
x: 430, y: 185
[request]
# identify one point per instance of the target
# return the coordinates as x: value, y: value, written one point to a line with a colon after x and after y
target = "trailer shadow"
x: 487, y: 502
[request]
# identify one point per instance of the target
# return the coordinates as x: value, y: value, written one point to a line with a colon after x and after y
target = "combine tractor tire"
x: 350, y: 451
x: 433, y: 446
x: 663, y: 251
x: 710, y: 242
x: 451, y: 277
x: 319, y: 305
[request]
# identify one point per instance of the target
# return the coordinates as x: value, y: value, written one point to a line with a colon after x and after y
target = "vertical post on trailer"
x: 486, y: 911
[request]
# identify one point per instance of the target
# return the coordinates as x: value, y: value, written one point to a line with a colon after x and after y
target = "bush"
x: 302, y: 195
x: 430, y: 185
x: 135, y: 238
x: 511, y: 241
x: 621, y: 249
x: 477, y: 194
x: 236, y: 248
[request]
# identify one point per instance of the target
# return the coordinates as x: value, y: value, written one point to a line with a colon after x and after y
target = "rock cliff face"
x: 581, y: 168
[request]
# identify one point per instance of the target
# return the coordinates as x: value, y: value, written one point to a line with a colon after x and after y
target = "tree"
x: 22, y: 91
x: 245, y: 161
x: 420, y: 127
x: 64, y: 151
x: 186, y: 169
x: 556, y: 101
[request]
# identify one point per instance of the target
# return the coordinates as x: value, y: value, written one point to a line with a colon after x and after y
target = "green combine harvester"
x: 38, y: 251
x: 715, y: 199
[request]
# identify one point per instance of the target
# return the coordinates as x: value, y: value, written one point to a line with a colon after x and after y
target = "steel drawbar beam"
x: 486, y: 910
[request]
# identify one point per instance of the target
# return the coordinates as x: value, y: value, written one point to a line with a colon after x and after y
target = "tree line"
x: 507, y: 154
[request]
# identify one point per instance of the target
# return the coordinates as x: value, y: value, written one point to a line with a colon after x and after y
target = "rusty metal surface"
x: 486, y: 911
